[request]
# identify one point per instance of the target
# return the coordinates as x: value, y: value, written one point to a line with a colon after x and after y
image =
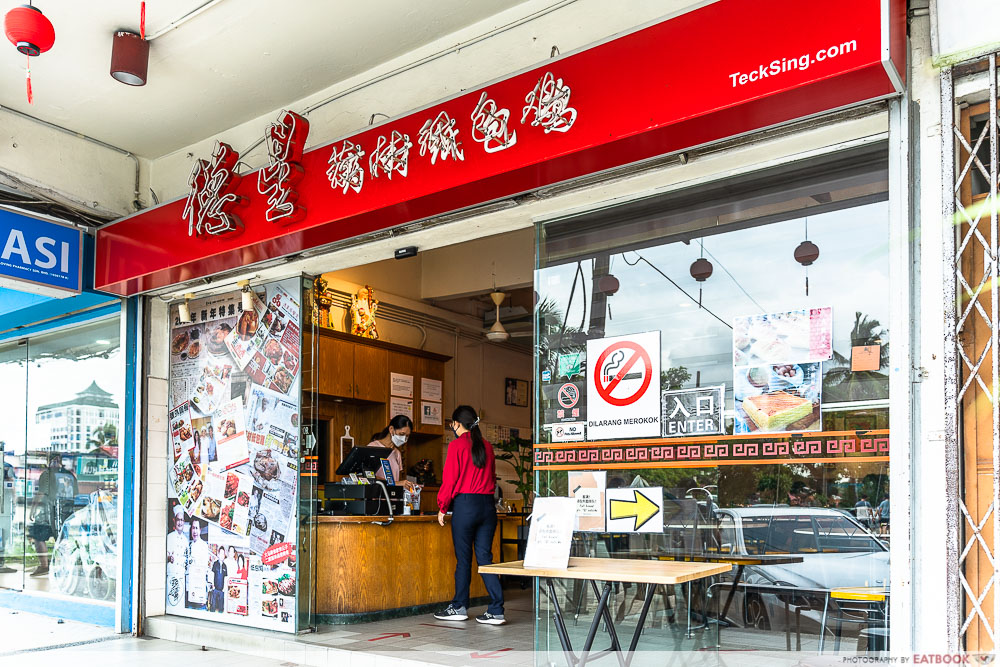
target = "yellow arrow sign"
x: 642, y: 508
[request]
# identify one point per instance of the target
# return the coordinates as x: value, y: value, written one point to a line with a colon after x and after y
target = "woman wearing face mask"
x: 467, y: 487
x: 393, y: 437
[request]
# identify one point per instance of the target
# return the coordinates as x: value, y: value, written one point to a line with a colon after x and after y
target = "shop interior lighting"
x: 184, y: 309
x: 246, y: 298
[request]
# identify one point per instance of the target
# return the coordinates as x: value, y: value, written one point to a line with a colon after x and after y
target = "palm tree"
x: 840, y: 383
x: 103, y: 436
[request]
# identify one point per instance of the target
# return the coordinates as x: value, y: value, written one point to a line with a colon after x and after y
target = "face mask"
x: 398, y: 440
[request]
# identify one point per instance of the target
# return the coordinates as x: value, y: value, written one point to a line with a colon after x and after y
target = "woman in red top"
x: 467, y: 486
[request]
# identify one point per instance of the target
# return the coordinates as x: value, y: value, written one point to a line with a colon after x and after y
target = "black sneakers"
x: 490, y: 619
x: 452, y: 613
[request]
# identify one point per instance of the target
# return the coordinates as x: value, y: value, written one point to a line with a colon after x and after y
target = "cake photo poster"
x: 232, y: 482
x: 778, y: 370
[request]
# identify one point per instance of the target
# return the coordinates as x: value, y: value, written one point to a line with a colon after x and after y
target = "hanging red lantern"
x: 806, y: 253
x: 30, y: 33
x: 701, y: 269
x: 27, y: 29
x: 608, y: 285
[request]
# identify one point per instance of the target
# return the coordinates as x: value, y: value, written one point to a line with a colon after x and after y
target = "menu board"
x: 233, y: 473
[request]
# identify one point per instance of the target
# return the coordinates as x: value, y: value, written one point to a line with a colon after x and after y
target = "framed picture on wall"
x: 516, y: 392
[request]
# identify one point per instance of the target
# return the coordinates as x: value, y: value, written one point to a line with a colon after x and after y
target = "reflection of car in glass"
x: 836, y: 550
x: 84, y: 560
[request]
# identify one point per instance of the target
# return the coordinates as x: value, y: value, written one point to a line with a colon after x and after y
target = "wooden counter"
x: 371, y: 571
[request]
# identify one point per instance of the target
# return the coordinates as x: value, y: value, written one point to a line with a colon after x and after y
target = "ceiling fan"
x: 498, y: 333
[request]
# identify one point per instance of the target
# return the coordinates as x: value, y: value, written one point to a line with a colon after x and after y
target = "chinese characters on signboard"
x: 212, y: 199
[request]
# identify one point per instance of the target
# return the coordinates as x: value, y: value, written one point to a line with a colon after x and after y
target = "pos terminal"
x: 370, y: 498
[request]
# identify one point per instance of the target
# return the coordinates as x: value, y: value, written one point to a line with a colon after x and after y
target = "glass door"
x: 13, y: 427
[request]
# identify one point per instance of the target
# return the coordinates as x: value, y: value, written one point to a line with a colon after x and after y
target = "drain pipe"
x: 136, y: 204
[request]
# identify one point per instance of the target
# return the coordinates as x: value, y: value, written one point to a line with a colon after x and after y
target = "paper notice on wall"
x: 430, y: 413
x: 430, y: 390
x: 248, y: 335
x: 588, y: 488
x: 237, y: 596
x: 181, y: 430
x: 270, y: 517
x: 401, y: 385
x: 550, y: 533
x: 229, y: 432
x: 226, y: 501
x: 212, y: 387
x: 400, y: 406
x: 267, y: 408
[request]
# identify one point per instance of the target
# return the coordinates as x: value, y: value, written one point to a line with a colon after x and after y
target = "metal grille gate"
x: 972, y: 362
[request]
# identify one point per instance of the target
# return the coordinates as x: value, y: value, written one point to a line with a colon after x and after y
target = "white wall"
x: 37, y: 159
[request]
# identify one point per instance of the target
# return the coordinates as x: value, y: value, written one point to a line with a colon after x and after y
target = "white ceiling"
x: 236, y: 60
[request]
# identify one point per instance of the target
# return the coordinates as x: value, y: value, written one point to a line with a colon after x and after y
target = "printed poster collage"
x: 233, y: 476
x: 612, y: 390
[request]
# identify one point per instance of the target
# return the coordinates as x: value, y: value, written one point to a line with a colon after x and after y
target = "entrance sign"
x: 623, y: 387
x: 758, y: 65
x: 40, y: 256
x: 635, y: 510
x: 690, y: 412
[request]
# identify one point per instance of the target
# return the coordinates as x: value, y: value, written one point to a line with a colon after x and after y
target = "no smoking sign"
x: 623, y: 386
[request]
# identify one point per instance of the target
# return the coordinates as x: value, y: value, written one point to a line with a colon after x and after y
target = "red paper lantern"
x: 608, y: 285
x: 806, y: 253
x: 28, y: 30
x: 701, y: 269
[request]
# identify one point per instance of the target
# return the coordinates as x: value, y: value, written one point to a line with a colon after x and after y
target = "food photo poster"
x: 233, y: 473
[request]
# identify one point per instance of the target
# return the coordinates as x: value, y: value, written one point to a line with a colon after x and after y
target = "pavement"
x: 27, y: 640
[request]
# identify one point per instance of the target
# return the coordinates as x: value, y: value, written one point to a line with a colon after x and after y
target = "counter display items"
x: 234, y: 437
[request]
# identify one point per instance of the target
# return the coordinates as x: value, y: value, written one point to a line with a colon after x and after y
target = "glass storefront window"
x: 770, y: 294
x: 59, y: 516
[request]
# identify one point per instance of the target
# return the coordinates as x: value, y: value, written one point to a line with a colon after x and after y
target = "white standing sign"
x: 550, y: 533
x: 623, y: 387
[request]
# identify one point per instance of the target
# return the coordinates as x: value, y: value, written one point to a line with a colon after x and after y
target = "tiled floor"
x: 422, y: 640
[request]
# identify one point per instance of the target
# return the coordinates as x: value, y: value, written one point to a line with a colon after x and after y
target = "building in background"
x: 80, y: 424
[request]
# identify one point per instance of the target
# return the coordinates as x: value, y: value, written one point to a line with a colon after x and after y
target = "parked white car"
x: 836, y: 550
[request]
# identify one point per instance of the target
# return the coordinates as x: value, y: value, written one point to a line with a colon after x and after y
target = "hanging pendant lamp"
x: 31, y: 33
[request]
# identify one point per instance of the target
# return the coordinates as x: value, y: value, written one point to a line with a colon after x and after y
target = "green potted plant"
x: 518, y: 453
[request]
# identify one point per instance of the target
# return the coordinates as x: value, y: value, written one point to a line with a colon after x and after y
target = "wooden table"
x: 609, y: 570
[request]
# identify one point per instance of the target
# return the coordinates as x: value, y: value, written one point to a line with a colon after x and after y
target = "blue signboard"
x: 40, y: 256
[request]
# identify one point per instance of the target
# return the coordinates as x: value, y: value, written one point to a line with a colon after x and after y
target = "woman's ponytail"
x: 467, y: 417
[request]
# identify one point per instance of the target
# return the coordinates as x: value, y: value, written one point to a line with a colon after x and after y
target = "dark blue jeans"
x: 473, y: 523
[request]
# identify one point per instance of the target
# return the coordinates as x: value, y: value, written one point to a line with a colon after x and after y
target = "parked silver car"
x: 836, y: 550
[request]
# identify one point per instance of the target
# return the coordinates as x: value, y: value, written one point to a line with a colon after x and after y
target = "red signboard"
x: 721, y: 70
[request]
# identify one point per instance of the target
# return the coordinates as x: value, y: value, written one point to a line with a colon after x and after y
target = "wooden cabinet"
x: 351, y: 376
x: 335, y: 369
x: 346, y: 369
x: 371, y: 374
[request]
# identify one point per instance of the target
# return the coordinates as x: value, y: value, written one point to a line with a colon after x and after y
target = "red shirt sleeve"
x: 449, y: 477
